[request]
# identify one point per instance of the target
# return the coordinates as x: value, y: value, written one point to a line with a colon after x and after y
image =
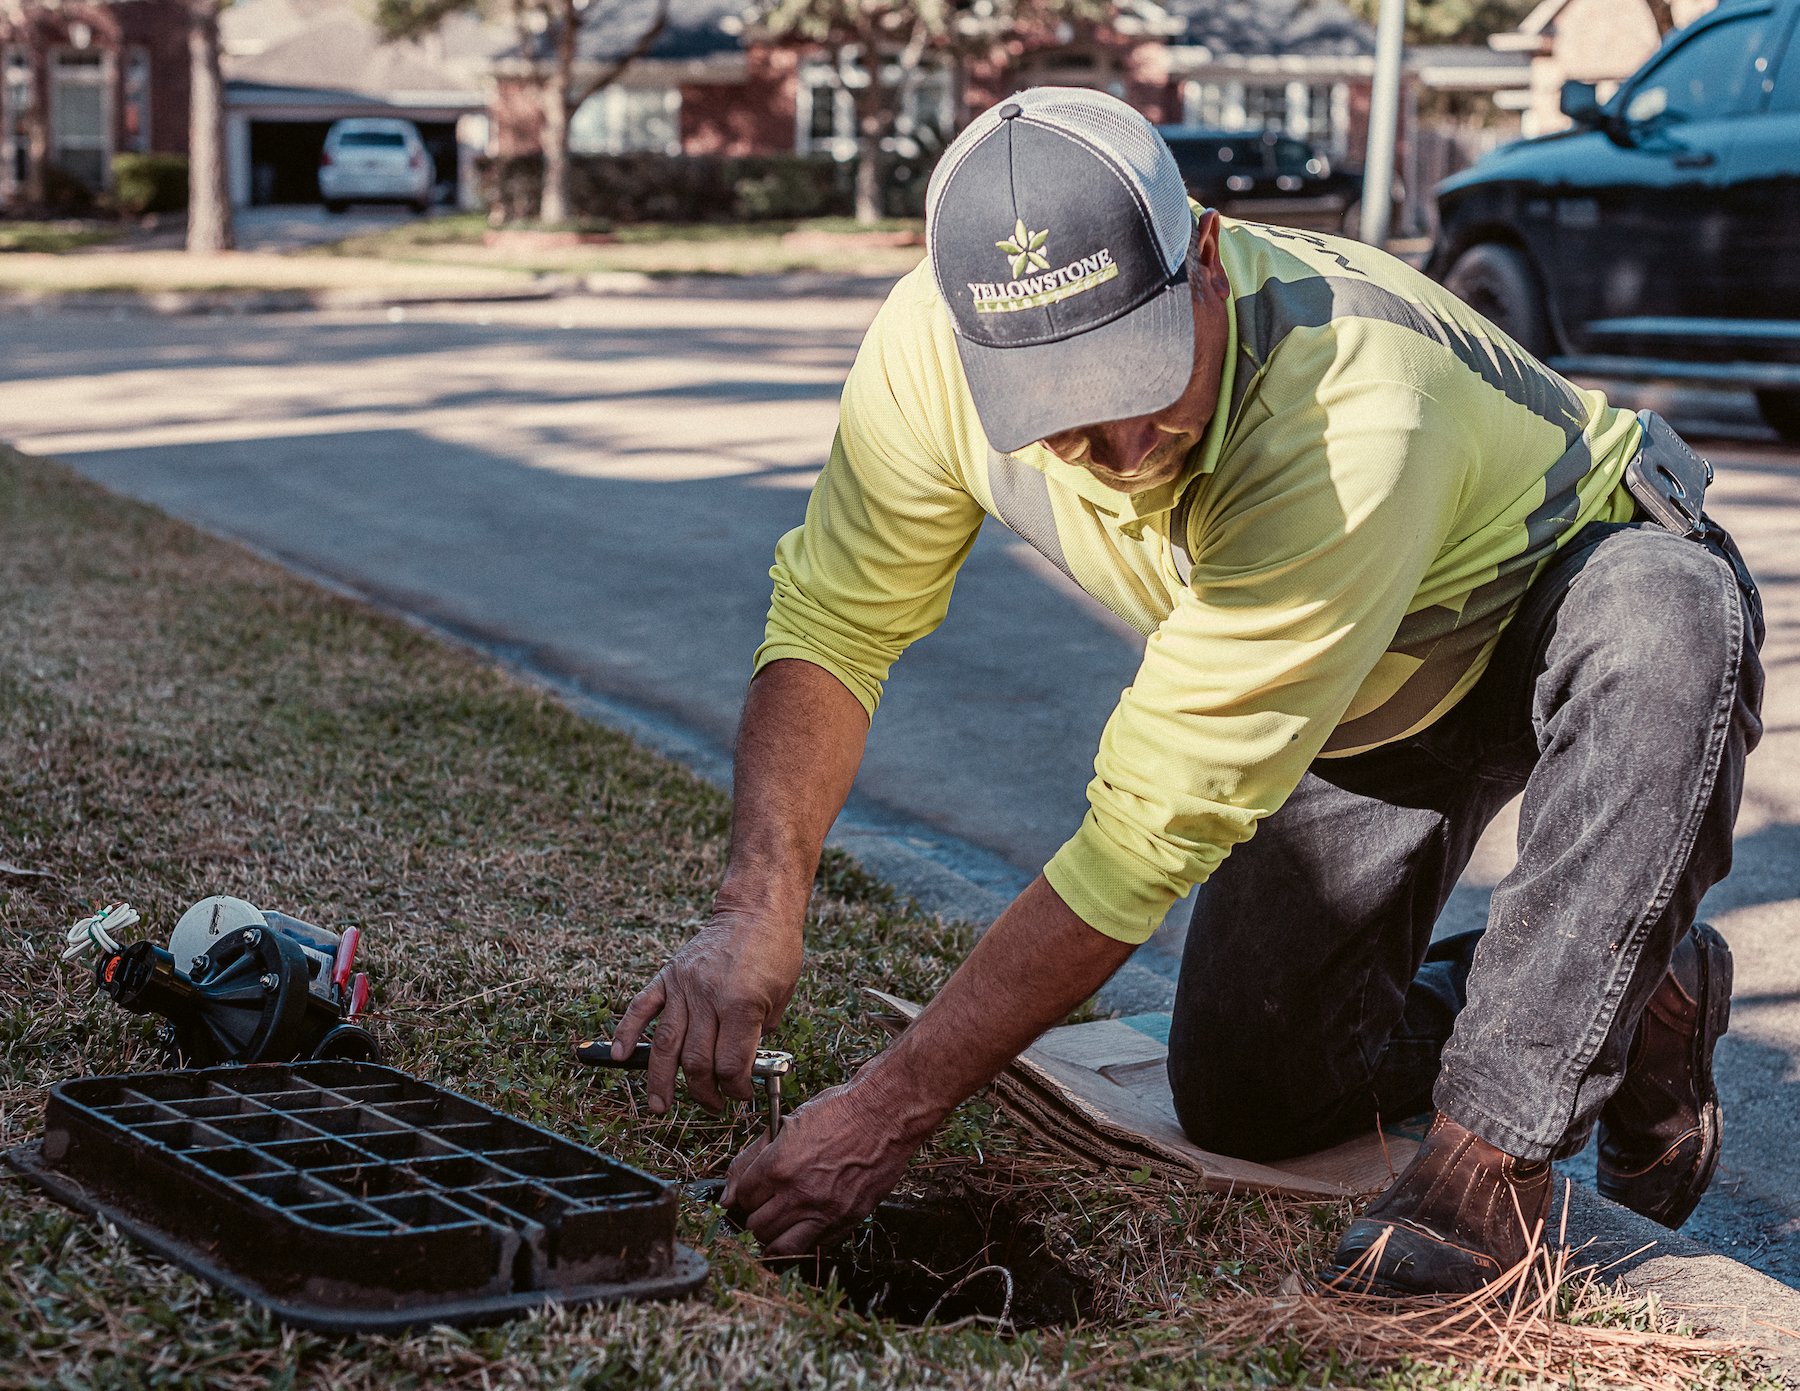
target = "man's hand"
x: 836, y: 1158
x: 839, y: 1155
x: 797, y: 750
x: 717, y: 997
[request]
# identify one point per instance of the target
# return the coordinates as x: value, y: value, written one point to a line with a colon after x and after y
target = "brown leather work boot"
x: 1461, y: 1215
x: 1660, y: 1132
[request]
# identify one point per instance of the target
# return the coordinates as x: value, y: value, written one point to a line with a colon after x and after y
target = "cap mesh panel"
x: 1123, y: 133
x: 1111, y: 126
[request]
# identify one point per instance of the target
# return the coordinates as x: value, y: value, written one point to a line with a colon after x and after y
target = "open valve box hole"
x: 940, y: 1257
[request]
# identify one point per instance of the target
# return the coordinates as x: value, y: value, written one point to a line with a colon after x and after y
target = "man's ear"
x: 1205, y: 269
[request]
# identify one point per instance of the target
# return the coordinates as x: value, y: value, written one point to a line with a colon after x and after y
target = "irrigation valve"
x: 236, y: 984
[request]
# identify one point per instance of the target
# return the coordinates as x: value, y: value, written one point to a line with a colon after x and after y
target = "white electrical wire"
x: 98, y: 930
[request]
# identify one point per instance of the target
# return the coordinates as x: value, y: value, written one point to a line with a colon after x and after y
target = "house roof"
x: 696, y: 29
x: 1469, y: 68
x: 1272, y: 28
x: 333, y: 45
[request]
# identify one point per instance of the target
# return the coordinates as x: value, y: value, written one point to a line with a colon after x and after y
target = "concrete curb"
x: 249, y: 300
x: 1716, y: 1294
x: 799, y: 284
x: 253, y: 301
x: 1713, y: 1292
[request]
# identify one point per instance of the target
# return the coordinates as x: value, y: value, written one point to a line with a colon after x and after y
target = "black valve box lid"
x: 350, y: 1197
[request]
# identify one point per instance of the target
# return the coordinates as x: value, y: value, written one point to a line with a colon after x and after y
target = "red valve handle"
x: 346, y: 955
x: 359, y: 995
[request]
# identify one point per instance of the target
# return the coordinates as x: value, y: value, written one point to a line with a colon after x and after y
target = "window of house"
x: 828, y: 111
x: 1313, y: 111
x: 80, y: 132
x: 15, y: 97
x: 618, y: 119
x: 1265, y: 106
x: 134, y: 113
x: 1208, y: 104
x: 827, y: 117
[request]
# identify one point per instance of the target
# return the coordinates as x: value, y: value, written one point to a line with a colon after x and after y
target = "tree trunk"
x: 34, y: 126
x: 209, y: 194
x: 554, y: 206
x: 870, y: 127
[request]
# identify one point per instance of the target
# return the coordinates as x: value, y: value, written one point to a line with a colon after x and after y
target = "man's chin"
x: 1139, y: 482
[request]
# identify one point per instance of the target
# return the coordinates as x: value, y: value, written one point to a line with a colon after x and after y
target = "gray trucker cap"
x: 1057, y: 226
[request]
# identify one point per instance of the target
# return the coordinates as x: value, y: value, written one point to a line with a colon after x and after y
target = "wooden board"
x: 1100, y: 1093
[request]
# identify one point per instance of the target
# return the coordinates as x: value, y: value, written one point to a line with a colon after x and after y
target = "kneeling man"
x: 1390, y: 571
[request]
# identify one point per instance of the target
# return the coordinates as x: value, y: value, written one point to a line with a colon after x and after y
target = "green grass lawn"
x: 56, y: 236
x: 179, y: 718
x: 829, y: 244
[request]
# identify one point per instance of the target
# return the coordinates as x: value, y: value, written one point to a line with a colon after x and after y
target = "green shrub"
x: 150, y: 183
x: 767, y: 187
x: 903, y: 183
x: 65, y: 193
x: 647, y: 187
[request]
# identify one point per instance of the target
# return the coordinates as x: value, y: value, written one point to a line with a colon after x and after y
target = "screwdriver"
x: 769, y: 1068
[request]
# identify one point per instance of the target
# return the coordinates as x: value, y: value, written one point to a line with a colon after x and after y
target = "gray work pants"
x: 1622, y: 701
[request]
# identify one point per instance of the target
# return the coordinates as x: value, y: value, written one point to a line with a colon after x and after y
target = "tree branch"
x: 612, y: 72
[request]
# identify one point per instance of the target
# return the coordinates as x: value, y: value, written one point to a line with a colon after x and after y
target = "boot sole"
x: 1466, y: 1271
x: 1716, y: 979
x: 1715, y: 1022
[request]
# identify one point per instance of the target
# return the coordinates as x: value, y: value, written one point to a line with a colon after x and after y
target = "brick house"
x: 82, y: 82
x: 1302, y: 67
x: 1598, y: 41
x: 709, y: 87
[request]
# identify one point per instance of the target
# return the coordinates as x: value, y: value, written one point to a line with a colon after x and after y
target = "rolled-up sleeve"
x: 1310, y: 546
x: 888, y: 525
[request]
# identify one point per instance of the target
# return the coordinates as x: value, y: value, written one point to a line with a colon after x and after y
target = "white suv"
x: 374, y: 159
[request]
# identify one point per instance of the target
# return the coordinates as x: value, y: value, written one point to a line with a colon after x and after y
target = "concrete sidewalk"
x: 241, y: 281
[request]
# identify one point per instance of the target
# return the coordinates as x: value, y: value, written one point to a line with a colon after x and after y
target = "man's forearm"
x: 798, y: 748
x: 1035, y: 964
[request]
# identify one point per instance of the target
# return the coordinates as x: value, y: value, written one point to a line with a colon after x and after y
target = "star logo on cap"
x: 1025, y: 248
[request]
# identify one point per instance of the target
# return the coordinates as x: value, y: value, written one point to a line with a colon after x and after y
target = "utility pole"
x: 1384, y: 118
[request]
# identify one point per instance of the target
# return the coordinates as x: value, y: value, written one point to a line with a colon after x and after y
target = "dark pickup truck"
x: 1659, y: 239
x: 1266, y: 177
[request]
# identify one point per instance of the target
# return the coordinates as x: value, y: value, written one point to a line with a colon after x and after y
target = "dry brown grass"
x: 178, y: 718
x: 1550, y: 1319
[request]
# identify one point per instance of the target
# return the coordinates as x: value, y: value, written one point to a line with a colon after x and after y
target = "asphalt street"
x: 594, y: 486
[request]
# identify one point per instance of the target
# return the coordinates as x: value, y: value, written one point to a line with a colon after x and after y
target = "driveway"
x: 595, y: 486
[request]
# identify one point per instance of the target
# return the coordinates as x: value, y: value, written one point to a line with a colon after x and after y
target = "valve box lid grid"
x: 352, y: 1198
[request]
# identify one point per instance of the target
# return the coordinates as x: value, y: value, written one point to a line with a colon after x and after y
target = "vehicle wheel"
x: 335, y: 208
x: 421, y: 206
x: 1499, y: 284
x: 1781, y: 409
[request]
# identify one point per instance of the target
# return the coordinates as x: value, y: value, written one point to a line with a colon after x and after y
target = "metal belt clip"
x: 1667, y: 478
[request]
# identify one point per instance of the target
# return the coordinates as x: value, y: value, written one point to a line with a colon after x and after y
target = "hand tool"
x: 769, y: 1068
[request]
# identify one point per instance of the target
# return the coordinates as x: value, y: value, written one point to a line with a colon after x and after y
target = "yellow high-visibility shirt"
x: 1385, y: 474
